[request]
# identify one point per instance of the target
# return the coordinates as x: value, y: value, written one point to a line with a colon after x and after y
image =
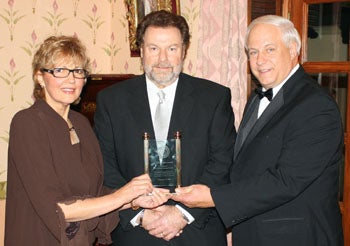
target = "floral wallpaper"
x: 100, y: 24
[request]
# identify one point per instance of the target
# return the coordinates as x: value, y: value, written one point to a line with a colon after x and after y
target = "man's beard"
x: 163, y: 78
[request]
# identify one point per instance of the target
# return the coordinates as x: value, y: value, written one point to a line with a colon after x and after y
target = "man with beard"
x: 198, y: 108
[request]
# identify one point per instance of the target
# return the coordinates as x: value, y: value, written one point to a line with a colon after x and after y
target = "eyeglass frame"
x: 52, y: 71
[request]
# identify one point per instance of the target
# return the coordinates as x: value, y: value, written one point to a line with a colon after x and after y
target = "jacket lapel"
x: 139, y: 106
x: 183, y: 104
x: 266, y: 116
x: 286, y: 95
x: 248, y: 121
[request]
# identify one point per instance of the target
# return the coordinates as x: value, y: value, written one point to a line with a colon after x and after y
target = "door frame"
x: 297, y: 12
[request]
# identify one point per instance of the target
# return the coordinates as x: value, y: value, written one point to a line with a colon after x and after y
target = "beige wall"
x: 102, y: 26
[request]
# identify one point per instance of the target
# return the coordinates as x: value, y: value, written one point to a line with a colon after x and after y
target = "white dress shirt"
x: 153, y: 99
x: 264, y: 102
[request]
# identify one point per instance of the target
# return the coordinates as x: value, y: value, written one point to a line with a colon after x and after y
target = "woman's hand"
x: 152, y: 200
x: 138, y: 186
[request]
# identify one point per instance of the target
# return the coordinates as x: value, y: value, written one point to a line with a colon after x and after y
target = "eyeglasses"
x: 61, y: 72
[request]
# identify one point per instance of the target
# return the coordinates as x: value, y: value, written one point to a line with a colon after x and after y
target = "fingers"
x: 181, y: 197
x: 144, y: 176
x: 136, y: 187
x: 137, y: 190
x: 195, y: 196
x: 160, y: 196
x: 184, y: 194
x: 168, y: 236
x: 164, y: 191
x: 155, y: 199
x: 171, y: 235
x: 181, y: 190
x: 141, y: 185
x: 168, y: 225
x: 165, y: 233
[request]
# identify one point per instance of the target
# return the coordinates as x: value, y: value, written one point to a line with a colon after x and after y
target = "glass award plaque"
x: 162, y: 160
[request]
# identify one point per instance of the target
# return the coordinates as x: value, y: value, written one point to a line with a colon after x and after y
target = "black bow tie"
x: 268, y: 94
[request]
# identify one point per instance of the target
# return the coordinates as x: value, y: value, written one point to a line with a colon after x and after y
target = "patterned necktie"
x: 268, y: 94
x: 161, y: 118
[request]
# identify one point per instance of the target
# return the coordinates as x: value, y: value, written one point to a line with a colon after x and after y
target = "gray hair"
x: 289, y: 33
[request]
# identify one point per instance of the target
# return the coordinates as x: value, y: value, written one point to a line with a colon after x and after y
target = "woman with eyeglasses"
x: 55, y: 171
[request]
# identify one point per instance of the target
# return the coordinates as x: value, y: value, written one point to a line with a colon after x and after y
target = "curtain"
x: 221, y: 56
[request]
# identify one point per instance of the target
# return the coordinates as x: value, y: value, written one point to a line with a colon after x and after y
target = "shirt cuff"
x: 186, y: 215
x: 137, y: 219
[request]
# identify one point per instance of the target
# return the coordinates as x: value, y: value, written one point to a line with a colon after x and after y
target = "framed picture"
x: 137, y: 9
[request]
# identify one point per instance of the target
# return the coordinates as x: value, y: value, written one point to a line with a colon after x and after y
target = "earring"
x: 42, y: 85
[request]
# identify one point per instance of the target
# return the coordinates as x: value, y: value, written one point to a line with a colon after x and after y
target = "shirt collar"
x: 168, y: 90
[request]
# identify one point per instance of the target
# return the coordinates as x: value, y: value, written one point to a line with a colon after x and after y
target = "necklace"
x: 74, y: 139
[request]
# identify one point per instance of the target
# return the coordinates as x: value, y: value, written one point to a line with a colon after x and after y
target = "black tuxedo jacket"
x: 203, y: 114
x: 284, y: 180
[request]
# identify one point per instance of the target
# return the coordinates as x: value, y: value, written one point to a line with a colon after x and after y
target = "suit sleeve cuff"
x: 137, y: 219
x: 186, y: 215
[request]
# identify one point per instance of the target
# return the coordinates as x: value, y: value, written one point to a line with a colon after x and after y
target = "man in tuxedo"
x: 284, y: 179
x: 200, y: 109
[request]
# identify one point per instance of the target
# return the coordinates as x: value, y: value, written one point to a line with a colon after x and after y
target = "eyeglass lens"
x: 64, y: 72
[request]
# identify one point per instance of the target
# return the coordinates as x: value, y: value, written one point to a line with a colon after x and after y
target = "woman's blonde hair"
x: 53, y: 51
